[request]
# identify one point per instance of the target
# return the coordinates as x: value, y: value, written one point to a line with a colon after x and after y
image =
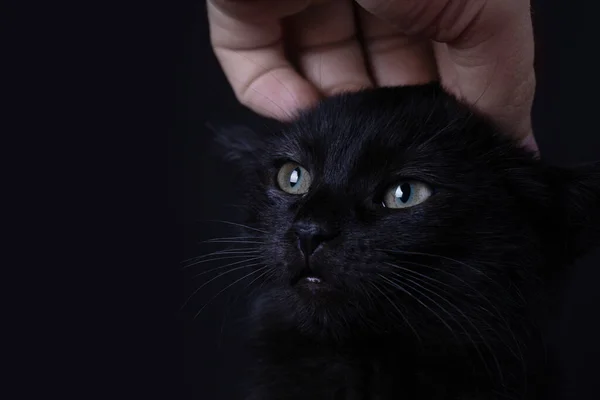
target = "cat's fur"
x: 444, y: 300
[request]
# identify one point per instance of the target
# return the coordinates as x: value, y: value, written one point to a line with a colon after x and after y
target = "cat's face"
x: 399, y: 210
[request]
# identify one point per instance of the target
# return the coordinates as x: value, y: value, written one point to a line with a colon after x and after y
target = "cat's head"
x: 400, y: 210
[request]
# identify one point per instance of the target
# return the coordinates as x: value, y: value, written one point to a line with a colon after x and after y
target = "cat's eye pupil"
x: 295, y: 177
x: 403, y: 192
x: 406, y: 194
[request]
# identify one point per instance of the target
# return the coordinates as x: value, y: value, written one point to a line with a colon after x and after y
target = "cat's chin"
x: 318, y: 310
x: 309, y: 298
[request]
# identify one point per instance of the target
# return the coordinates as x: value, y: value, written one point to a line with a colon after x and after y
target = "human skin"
x: 283, y: 56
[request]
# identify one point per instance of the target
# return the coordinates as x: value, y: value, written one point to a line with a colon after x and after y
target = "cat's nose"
x: 311, y: 235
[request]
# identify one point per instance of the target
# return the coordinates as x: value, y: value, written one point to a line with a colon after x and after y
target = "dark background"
x: 202, y: 188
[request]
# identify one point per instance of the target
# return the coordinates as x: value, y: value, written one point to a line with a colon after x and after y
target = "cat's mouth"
x: 313, y: 285
x: 307, y: 276
x: 311, y: 280
x: 306, y: 273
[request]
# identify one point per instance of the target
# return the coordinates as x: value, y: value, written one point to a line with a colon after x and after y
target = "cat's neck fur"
x: 299, y: 368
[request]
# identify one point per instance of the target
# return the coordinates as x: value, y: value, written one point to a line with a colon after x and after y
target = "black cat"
x: 409, y: 251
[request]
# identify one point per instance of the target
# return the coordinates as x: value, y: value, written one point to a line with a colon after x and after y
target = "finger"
x: 441, y: 20
x: 492, y: 68
x: 329, y: 54
x: 260, y: 10
x: 394, y: 58
x: 251, y: 54
x: 488, y: 57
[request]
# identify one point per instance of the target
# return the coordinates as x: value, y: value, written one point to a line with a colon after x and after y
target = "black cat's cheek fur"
x: 442, y: 301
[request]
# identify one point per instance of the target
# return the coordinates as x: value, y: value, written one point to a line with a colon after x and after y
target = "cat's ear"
x: 239, y: 144
x: 578, y: 191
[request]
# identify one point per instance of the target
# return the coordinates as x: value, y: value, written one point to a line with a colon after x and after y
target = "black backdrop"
x: 201, y: 188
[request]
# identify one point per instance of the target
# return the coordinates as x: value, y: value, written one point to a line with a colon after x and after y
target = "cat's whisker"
x: 236, y: 299
x: 404, y: 290
x: 496, y: 312
x: 412, y: 282
x: 238, y: 224
x: 402, y: 286
x: 257, y: 278
x: 224, y: 251
x: 225, y: 266
x: 428, y: 281
x: 477, y: 292
x: 233, y: 241
x: 228, y: 256
x: 419, y: 274
x: 200, y: 257
x: 367, y: 293
x: 372, y: 304
x: 476, y: 270
x: 228, y: 265
x: 270, y: 273
x: 227, y: 287
x: 232, y: 238
x: 404, y: 279
x: 397, y: 309
x: 217, y: 277
x: 236, y: 250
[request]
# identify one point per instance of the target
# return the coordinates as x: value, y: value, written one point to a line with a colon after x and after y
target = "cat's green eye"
x: 406, y: 194
x: 293, y: 178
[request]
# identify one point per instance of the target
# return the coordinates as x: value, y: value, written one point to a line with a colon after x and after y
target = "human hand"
x: 282, y: 56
